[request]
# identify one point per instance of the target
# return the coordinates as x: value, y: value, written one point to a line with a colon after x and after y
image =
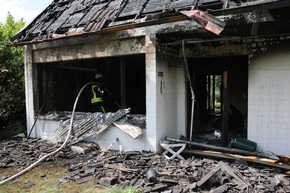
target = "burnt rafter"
x: 63, y: 19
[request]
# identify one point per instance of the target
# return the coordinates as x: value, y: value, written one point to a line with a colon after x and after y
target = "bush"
x: 217, y: 105
x: 12, y: 97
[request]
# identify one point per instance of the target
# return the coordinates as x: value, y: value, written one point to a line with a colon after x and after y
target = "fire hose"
x: 57, y: 150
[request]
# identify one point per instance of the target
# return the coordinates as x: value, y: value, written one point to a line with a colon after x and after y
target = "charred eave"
x: 71, y: 18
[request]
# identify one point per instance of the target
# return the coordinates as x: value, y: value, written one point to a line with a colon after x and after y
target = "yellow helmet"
x: 97, y: 76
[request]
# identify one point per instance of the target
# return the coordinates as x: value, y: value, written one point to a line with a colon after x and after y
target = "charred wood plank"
x: 253, y: 159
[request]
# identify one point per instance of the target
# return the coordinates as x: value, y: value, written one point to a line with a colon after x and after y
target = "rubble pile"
x: 147, y: 171
x: 194, y: 174
x: 87, y: 125
x: 23, y: 152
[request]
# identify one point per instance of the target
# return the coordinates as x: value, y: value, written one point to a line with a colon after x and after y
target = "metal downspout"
x: 191, y: 89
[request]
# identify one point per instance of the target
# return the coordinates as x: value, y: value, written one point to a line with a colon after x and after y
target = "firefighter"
x: 97, y: 94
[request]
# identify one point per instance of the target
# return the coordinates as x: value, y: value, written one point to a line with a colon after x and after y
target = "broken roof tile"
x: 111, y: 167
x: 60, y: 18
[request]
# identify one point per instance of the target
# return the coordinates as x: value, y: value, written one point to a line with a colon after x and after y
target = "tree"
x: 12, y: 100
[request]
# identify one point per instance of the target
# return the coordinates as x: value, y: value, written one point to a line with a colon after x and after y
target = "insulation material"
x: 132, y: 130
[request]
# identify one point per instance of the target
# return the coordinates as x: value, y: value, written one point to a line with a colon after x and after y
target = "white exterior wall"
x: 269, y: 101
x: 171, y: 112
x: 165, y: 96
x: 28, y: 73
x: 125, y: 142
x: 46, y: 128
x: 151, y: 109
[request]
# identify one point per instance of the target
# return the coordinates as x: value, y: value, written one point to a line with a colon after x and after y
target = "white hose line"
x: 54, y: 152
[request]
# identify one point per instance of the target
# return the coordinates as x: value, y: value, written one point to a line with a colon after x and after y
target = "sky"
x: 26, y: 9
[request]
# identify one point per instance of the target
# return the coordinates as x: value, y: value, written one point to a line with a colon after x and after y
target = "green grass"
x: 45, y: 179
x: 118, y: 190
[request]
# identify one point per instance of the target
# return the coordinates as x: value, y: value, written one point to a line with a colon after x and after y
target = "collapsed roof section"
x: 63, y: 18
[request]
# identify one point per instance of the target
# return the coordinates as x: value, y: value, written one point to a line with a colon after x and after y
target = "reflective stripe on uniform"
x: 95, y: 98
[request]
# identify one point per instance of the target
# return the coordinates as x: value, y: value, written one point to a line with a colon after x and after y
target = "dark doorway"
x: 220, y: 109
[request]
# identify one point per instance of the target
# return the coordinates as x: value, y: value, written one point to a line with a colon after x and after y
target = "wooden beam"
x: 225, y: 109
x: 213, y: 93
x: 217, y: 148
x: 253, y: 159
x: 123, y: 83
x: 208, y: 92
x: 75, y: 68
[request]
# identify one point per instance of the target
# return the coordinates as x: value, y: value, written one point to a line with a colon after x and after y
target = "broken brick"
x: 85, y: 179
x: 158, y: 187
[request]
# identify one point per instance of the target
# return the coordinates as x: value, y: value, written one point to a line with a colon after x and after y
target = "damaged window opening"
x: 124, y: 78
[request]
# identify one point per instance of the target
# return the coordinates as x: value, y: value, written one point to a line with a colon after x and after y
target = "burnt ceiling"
x: 65, y: 18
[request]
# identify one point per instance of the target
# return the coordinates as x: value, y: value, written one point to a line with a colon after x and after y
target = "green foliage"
x: 131, y: 190
x: 218, y: 81
x: 217, y: 105
x: 218, y: 97
x: 12, y: 101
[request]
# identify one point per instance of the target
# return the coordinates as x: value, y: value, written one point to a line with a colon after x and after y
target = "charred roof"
x: 64, y: 18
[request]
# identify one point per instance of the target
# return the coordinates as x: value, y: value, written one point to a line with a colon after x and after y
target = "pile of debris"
x: 153, y: 173
x: 23, y: 152
x: 91, y: 124
x: 148, y: 171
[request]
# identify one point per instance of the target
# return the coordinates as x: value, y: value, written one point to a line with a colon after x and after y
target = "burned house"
x: 189, y: 66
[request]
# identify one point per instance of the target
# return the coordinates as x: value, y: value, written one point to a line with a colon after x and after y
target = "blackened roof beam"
x: 250, y: 6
